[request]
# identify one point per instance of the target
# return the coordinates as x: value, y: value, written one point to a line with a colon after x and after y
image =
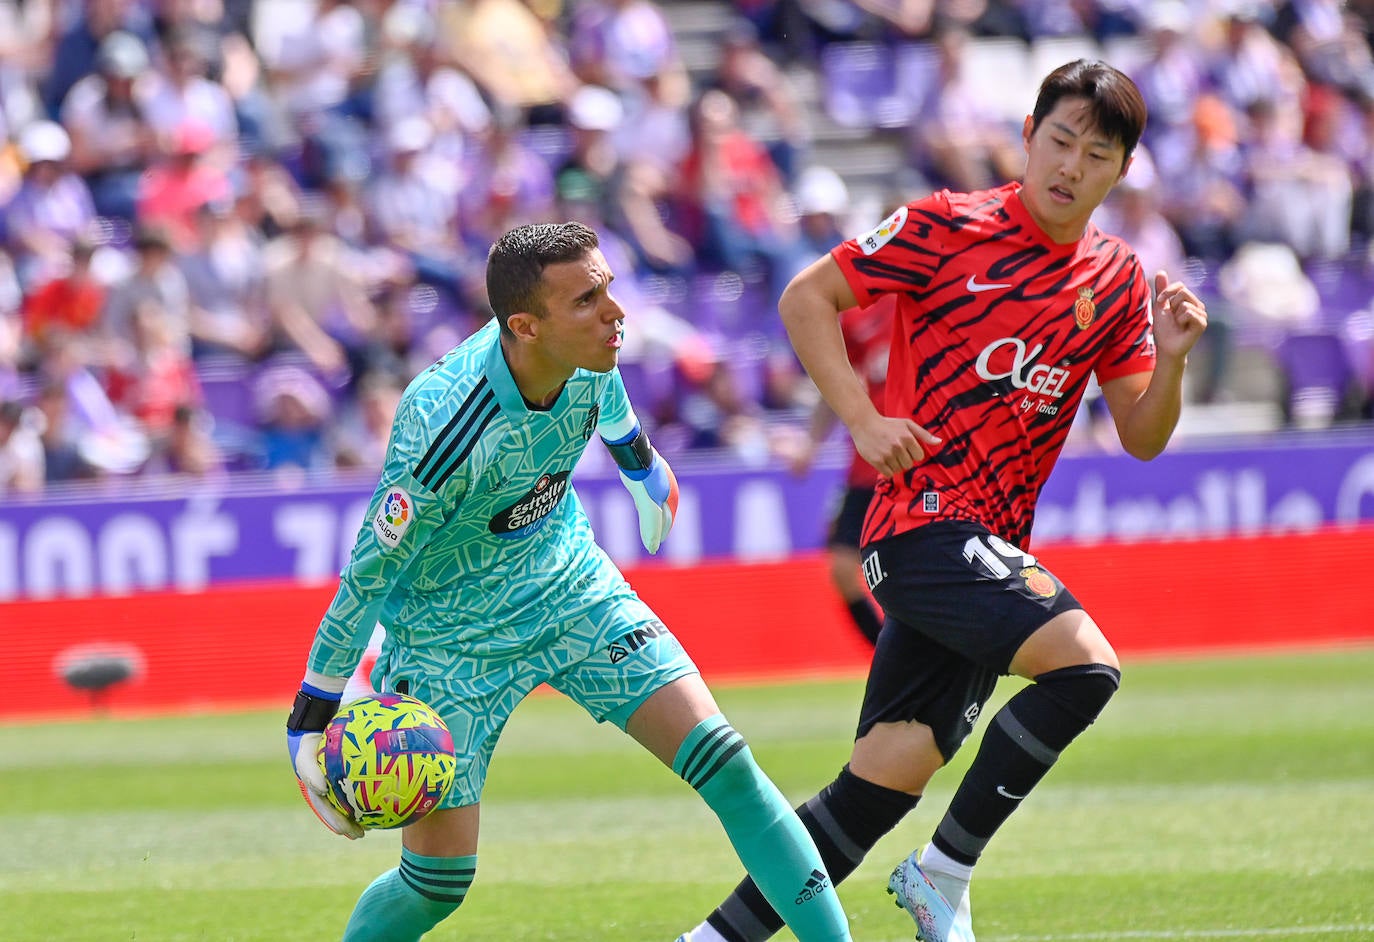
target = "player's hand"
x: 1179, y: 317
x: 654, y: 490
x: 304, y: 729
x: 892, y: 445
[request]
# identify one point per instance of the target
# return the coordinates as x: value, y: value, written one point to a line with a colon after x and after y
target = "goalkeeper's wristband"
x: 313, y: 709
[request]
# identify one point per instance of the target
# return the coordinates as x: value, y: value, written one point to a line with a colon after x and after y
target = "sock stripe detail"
x: 721, y: 752
x: 950, y: 832
x: 828, y: 826
x: 735, y: 920
x: 447, y: 883
x: 1025, y: 739
x: 435, y: 895
x: 705, y: 743
x: 418, y: 869
x: 707, y: 756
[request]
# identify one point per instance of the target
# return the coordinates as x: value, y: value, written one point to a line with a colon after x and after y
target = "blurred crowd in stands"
x: 232, y: 230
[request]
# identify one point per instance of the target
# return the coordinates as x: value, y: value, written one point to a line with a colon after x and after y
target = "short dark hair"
x: 516, y: 263
x: 1118, y: 109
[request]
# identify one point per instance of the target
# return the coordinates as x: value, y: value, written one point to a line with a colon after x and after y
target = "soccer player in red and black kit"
x: 1008, y: 300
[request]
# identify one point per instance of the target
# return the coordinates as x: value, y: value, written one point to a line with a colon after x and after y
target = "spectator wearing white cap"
x: 52, y: 207
x: 106, y: 114
x: 619, y: 182
x: 822, y: 208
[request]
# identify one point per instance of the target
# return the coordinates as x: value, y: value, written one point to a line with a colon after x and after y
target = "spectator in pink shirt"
x: 174, y: 190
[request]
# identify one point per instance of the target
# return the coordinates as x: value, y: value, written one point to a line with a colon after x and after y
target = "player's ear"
x: 523, y: 325
x: 1027, y: 128
x: 1125, y: 168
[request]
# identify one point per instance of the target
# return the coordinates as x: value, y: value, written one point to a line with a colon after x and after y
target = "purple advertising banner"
x: 147, y: 535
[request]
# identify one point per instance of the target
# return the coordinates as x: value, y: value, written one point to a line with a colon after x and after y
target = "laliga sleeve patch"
x: 393, y: 516
x: 872, y: 241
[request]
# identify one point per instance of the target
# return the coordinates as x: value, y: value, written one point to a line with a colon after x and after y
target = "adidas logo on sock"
x: 816, y: 884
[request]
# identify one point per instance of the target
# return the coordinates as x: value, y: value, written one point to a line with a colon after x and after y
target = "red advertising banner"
x: 245, y: 644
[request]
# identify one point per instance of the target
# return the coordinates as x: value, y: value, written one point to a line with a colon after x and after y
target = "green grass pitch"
x: 1217, y: 799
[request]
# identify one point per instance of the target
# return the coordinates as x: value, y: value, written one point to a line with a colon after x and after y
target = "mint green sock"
x: 767, y: 835
x: 403, y: 904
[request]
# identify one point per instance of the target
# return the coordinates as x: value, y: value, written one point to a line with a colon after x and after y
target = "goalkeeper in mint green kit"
x: 478, y: 560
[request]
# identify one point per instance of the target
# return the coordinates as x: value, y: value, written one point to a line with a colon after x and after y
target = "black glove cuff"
x: 310, y: 714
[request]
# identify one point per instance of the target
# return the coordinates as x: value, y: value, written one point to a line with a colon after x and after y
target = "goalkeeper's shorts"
x: 608, y: 659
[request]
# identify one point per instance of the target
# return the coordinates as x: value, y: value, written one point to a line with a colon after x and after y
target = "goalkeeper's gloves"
x: 315, y: 706
x: 654, y: 489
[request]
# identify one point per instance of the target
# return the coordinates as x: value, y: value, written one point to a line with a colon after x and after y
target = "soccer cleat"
x: 956, y: 892
x: 923, y: 902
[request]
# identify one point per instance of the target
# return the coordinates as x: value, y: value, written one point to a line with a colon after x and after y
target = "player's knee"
x: 1083, y: 689
x: 899, y: 756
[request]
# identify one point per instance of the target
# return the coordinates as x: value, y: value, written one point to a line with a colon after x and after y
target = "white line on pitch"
x: 1186, y: 934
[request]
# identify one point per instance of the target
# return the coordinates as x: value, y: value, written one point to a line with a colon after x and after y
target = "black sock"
x: 845, y: 820
x: 1021, y: 743
x: 866, y: 618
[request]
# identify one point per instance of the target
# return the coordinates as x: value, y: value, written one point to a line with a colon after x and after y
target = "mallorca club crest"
x: 1039, y: 582
x: 1084, y: 310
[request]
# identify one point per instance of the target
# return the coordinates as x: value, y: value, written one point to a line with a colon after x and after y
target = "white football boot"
x: 951, y: 878
x: 923, y: 901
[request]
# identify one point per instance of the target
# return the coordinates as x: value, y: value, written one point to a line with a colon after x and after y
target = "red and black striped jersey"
x: 997, y: 333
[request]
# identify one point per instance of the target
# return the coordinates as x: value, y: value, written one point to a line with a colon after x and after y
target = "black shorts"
x: 848, y: 523
x: 959, y: 603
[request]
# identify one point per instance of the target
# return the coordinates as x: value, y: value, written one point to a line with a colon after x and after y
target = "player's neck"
x: 1066, y: 232
x: 539, y: 382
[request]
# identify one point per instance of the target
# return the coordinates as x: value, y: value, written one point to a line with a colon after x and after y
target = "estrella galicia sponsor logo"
x: 816, y: 884
x: 589, y: 426
x: 632, y: 641
x: 527, y: 515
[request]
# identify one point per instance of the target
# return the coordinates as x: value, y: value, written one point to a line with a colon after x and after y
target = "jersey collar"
x: 503, y: 385
x: 502, y: 382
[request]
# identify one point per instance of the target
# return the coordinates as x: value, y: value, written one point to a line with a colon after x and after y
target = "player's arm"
x: 643, y: 471
x: 1146, y: 406
x: 401, y: 518
x: 810, y: 308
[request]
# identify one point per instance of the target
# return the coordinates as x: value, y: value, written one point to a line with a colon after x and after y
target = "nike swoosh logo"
x: 975, y: 286
x: 1006, y: 794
